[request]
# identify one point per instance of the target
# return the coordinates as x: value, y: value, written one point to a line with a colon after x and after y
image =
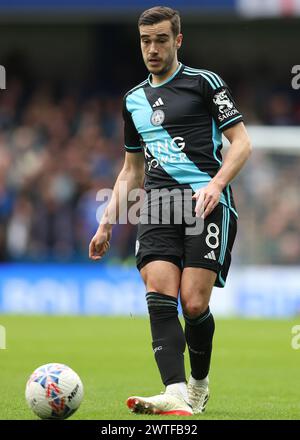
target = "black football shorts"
x: 187, y: 243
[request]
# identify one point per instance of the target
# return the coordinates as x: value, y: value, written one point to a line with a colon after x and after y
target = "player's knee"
x: 155, y: 282
x: 194, y: 307
x: 193, y: 310
x: 155, y: 287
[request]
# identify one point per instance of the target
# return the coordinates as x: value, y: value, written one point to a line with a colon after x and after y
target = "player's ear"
x: 178, y: 41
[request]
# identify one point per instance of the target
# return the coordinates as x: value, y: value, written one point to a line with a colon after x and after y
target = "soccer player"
x: 174, y: 122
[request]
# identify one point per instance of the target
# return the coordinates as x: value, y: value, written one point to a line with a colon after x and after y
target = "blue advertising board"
x: 71, y: 290
x: 97, y: 289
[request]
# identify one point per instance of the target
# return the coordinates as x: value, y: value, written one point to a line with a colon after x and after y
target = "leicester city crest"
x: 157, y: 117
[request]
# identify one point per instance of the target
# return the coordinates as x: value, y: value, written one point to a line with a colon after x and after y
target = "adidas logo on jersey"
x: 158, y: 103
x: 210, y: 255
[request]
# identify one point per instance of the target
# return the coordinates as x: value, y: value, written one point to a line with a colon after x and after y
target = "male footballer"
x: 174, y: 122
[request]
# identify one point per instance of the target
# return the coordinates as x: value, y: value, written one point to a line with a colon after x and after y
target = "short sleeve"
x: 131, y: 136
x: 219, y: 101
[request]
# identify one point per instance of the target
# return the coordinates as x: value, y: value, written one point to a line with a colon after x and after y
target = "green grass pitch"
x: 254, y: 375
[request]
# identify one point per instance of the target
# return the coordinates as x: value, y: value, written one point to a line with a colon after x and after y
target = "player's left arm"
x: 238, y: 153
x: 228, y: 120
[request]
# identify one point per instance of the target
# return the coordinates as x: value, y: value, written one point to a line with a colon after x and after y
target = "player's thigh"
x: 162, y: 277
x: 159, y: 241
x: 195, y: 289
x: 159, y: 250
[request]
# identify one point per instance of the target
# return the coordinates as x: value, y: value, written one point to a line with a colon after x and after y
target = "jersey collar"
x: 167, y: 80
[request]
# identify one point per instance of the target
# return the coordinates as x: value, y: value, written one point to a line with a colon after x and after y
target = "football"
x: 54, y: 391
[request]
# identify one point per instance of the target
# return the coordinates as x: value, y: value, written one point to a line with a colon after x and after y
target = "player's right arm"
x: 133, y: 174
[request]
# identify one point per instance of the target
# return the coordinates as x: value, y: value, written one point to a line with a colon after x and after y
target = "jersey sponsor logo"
x: 157, y: 117
x: 153, y: 163
x: 167, y: 146
x: 226, y: 106
x: 167, y: 151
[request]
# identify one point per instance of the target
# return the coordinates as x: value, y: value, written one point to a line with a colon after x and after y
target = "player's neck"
x: 158, y: 79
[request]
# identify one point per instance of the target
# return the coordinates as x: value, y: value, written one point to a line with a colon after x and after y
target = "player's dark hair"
x: 158, y: 14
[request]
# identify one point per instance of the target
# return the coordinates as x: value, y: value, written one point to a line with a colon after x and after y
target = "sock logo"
x: 159, y: 348
x: 196, y: 352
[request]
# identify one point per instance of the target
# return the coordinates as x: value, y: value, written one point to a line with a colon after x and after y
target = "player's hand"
x: 99, y: 244
x: 207, y: 199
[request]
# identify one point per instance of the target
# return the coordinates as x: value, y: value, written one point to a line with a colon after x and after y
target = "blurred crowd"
x: 57, y: 149
x: 268, y: 201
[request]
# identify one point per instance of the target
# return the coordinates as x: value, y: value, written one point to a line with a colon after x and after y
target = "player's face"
x: 159, y: 47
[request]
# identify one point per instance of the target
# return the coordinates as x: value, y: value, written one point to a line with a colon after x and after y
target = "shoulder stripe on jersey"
x: 215, y: 78
x: 204, y: 76
x: 218, y: 79
x: 136, y: 87
x: 191, y: 73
